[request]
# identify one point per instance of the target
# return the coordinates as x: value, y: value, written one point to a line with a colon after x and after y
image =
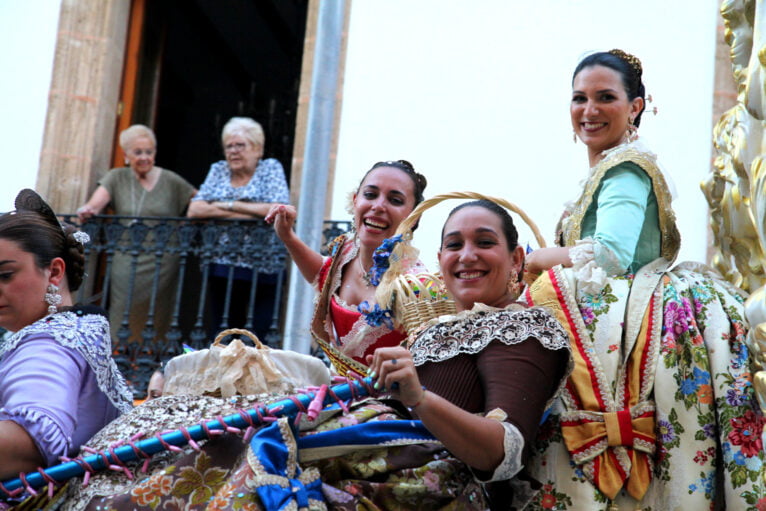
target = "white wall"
x: 28, y: 31
x: 476, y: 95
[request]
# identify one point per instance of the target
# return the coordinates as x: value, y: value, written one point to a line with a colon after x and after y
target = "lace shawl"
x: 89, y: 336
x: 471, y: 331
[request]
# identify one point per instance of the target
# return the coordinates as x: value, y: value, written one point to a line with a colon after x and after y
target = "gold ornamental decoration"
x: 736, y: 187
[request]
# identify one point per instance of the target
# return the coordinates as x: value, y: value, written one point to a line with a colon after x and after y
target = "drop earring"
x: 514, y: 286
x: 574, y: 136
x: 52, y: 298
x: 632, y: 131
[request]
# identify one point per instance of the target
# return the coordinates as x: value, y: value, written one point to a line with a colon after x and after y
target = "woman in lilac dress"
x: 58, y: 382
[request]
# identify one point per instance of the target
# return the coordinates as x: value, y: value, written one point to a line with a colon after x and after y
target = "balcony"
x: 123, y: 246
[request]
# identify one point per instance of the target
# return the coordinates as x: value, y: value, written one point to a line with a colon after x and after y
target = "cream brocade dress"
x: 659, y: 412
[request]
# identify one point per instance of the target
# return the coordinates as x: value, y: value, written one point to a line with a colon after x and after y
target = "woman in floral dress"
x: 659, y: 412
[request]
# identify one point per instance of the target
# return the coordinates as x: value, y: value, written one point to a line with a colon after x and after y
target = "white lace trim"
x: 513, y: 445
x: 362, y: 335
x: 607, y: 260
x: 89, y: 336
x: 471, y: 331
x: 590, y: 277
x: 592, y: 263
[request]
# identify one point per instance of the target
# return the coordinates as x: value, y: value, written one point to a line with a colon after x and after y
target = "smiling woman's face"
x: 600, y: 108
x: 22, y: 287
x: 140, y: 155
x: 384, y: 199
x: 475, y: 262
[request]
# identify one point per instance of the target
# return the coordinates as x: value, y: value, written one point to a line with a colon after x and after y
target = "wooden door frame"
x: 127, y: 101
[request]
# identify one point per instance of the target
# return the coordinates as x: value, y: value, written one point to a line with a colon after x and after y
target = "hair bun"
x: 634, y: 61
x: 406, y: 165
x: 422, y: 181
x: 30, y: 200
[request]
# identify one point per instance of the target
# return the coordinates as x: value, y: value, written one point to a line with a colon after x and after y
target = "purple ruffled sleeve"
x: 52, y: 393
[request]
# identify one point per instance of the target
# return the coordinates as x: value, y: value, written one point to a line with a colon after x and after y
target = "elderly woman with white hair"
x: 243, y: 186
x: 140, y: 189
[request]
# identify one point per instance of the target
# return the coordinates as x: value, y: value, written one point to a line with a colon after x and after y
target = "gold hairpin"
x: 634, y: 61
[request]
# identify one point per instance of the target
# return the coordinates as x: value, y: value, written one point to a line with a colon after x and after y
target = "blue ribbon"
x: 381, y: 259
x: 385, y: 432
x: 374, y: 315
x: 272, y: 446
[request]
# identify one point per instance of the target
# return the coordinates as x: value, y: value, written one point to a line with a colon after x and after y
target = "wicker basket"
x: 416, y: 299
x: 421, y: 297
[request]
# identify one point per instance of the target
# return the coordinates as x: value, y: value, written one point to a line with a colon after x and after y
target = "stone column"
x: 318, y: 120
x: 83, y: 100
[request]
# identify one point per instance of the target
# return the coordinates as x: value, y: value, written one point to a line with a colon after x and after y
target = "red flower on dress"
x: 548, y: 501
x: 700, y: 458
x: 747, y: 433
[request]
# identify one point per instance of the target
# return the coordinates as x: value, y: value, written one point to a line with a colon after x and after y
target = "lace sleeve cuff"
x: 513, y: 444
x: 607, y: 260
x: 590, y: 277
x: 46, y: 433
x: 592, y: 262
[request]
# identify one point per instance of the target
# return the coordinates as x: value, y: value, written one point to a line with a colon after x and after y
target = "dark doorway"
x: 204, y: 61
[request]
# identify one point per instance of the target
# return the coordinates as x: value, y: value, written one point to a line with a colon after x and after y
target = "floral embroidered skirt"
x: 707, y: 451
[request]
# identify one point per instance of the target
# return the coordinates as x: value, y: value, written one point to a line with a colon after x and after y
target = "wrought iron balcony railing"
x: 121, y: 246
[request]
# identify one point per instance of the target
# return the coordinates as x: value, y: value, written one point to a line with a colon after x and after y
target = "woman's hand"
x: 283, y: 217
x: 85, y: 212
x: 396, y: 372
x: 95, y: 204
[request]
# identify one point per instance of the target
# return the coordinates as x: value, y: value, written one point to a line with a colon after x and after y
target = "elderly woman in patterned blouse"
x: 242, y: 186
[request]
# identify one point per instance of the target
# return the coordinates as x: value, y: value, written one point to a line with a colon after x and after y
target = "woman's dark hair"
x: 629, y: 68
x: 509, y: 230
x: 35, y: 228
x: 418, y: 180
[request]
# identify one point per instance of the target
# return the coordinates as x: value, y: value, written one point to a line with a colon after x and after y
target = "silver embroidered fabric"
x: 470, y: 332
x: 89, y: 336
x: 165, y: 413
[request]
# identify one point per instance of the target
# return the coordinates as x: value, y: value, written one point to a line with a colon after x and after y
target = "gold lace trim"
x: 670, y: 237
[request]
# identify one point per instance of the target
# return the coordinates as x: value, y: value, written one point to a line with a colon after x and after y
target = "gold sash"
x: 611, y: 434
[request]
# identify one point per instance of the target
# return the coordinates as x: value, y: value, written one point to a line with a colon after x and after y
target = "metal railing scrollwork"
x: 157, y: 275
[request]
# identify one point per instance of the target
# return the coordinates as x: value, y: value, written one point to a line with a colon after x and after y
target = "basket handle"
x: 237, y: 331
x: 416, y: 213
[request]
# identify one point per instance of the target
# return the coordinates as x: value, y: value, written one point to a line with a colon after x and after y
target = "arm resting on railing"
x: 95, y: 204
